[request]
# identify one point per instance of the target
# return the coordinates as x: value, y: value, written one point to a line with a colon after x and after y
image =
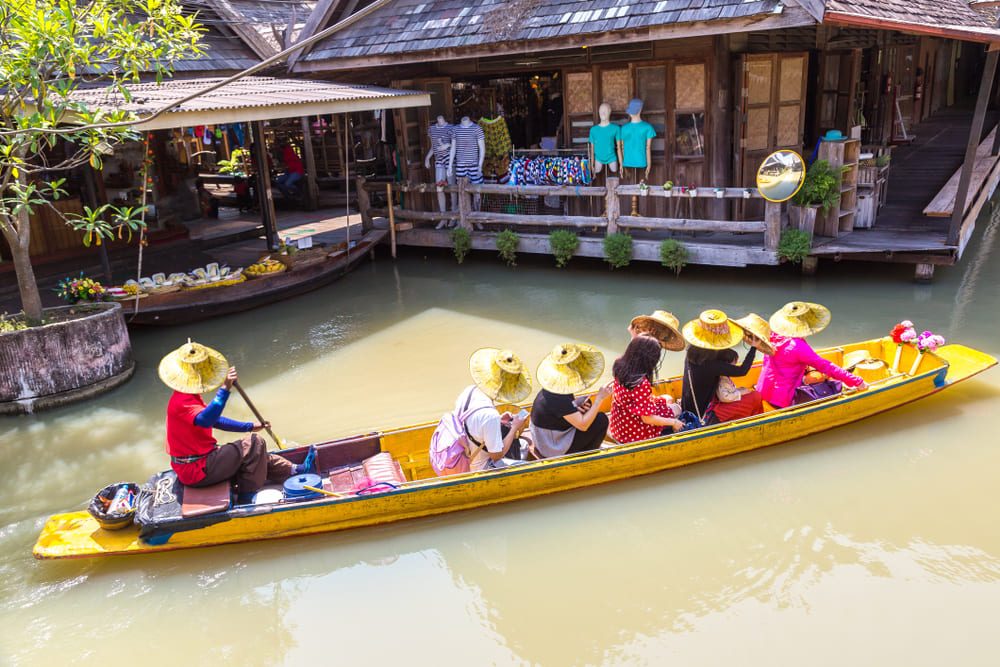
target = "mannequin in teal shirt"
x: 636, y: 141
x: 606, y: 140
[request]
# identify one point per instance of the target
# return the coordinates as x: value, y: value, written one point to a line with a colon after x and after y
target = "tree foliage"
x: 48, y: 50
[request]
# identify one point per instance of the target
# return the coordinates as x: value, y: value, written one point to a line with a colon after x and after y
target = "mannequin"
x: 635, y: 145
x: 467, y: 153
x: 441, y: 134
x: 605, y: 139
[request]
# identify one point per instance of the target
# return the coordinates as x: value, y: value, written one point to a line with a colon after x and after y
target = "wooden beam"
x: 772, y: 225
x: 612, y: 204
x: 542, y: 220
x: 267, y: 215
x: 982, y: 100
x: 969, y: 224
x: 312, y: 190
x: 689, y: 225
x: 982, y: 35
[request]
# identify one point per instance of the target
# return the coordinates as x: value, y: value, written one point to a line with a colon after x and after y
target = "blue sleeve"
x: 213, y: 411
x: 226, y: 424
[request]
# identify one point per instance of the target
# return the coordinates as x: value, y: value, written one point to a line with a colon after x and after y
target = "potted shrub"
x: 820, y: 190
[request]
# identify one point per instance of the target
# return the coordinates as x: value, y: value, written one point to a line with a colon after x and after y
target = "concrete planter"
x: 66, y: 361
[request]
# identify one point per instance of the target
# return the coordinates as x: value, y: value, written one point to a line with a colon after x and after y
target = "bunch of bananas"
x: 264, y: 266
x: 131, y: 287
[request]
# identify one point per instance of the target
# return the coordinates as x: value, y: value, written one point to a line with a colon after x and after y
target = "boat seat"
x: 200, y: 500
x: 345, y: 478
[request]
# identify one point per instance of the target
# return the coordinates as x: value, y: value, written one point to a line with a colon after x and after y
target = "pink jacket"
x: 783, y: 371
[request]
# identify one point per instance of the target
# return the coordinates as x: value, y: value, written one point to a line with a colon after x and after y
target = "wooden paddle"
x: 256, y: 413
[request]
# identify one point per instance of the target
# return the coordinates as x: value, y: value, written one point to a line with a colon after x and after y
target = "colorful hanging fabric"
x: 572, y: 170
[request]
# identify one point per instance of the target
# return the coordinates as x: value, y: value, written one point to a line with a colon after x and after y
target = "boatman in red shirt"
x: 195, y: 455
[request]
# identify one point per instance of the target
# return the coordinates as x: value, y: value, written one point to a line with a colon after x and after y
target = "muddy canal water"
x: 874, y: 544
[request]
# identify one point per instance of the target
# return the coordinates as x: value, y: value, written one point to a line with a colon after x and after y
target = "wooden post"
x: 809, y: 265
x: 267, y: 214
x: 611, y: 203
x: 722, y: 122
x: 364, y: 204
x: 982, y: 99
x: 312, y: 190
x: 392, y: 220
x: 464, y: 205
x: 924, y: 273
x: 772, y: 232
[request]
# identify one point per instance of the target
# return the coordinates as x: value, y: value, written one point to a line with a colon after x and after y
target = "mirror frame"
x: 772, y: 157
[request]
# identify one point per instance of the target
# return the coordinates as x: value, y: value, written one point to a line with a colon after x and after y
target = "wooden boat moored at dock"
x: 192, y: 305
x: 401, y: 453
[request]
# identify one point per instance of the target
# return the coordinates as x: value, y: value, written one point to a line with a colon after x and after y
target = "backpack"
x: 449, y: 449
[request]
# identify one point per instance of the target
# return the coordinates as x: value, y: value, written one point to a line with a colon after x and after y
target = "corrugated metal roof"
x: 250, y: 98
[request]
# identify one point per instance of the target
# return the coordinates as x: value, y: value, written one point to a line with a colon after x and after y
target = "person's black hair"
x: 699, y: 355
x: 729, y: 356
x: 641, y: 360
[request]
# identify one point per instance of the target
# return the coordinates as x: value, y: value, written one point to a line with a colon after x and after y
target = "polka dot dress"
x: 630, y: 405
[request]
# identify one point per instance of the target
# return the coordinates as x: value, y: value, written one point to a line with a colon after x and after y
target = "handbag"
x: 812, y: 392
x: 727, y: 391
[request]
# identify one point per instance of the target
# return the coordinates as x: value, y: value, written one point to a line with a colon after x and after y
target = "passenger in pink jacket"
x: 783, y: 371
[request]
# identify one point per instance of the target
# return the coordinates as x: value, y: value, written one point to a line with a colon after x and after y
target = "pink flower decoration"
x: 907, y: 323
x: 908, y: 335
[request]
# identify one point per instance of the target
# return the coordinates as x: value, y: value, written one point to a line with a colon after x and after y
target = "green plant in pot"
x: 820, y: 187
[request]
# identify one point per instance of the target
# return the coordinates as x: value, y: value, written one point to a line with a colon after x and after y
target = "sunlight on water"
x: 873, y: 544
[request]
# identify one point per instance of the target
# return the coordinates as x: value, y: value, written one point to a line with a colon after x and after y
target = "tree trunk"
x: 18, y: 236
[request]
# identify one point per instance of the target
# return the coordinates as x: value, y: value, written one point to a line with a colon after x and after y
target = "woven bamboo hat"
x: 663, y: 326
x: 500, y: 374
x: 798, y: 319
x: 193, y: 369
x: 712, y: 330
x: 755, y: 325
x: 570, y: 368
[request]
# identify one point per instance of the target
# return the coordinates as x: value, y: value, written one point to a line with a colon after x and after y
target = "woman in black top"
x: 708, y: 335
x: 561, y: 424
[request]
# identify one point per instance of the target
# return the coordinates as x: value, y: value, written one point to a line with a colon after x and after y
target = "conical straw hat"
x: 193, y: 369
x: 570, y: 368
x: 712, y: 330
x: 798, y: 319
x: 500, y: 374
x: 755, y: 325
x: 663, y: 326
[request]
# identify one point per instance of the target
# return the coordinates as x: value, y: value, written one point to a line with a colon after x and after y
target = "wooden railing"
x: 613, y: 221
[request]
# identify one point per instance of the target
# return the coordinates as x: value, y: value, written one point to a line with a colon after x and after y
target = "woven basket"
x: 161, y: 289
x: 217, y: 283
x: 252, y: 276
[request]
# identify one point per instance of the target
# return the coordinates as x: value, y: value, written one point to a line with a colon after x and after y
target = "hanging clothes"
x: 498, y: 145
x: 572, y: 170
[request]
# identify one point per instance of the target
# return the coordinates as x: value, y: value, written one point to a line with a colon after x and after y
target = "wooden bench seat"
x: 200, y: 500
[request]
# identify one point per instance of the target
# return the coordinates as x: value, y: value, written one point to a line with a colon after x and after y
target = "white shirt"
x: 483, y: 425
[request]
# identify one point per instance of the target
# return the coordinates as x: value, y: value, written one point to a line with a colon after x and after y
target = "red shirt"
x: 293, y: 164
x: 184, y: 438
x: 628, y: 406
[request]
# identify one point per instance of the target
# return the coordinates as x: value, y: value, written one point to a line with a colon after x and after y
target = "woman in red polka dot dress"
x: 635, y: 413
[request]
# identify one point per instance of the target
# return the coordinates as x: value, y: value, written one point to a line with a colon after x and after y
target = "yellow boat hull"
x: 77, y: 534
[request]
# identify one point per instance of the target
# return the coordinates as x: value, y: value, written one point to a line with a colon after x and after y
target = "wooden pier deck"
x: 918, y: 171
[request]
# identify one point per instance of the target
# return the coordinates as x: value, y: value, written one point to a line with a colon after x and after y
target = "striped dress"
x: 441, y: 142
x: 467, y: 151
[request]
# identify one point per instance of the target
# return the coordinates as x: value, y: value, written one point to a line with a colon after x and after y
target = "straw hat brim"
x: 699, y: 337
x: 499, y: 385
x: 670, y: 338
x: 813, y: 321
x: 193, y: 378
x: 756, y: 325
x: 574, y: 377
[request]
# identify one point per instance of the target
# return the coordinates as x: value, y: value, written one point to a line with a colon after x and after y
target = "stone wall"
x: 65, y: 361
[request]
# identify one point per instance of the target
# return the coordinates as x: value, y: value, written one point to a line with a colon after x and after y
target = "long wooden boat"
x: 77, y: 534
x: 193, y: 305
